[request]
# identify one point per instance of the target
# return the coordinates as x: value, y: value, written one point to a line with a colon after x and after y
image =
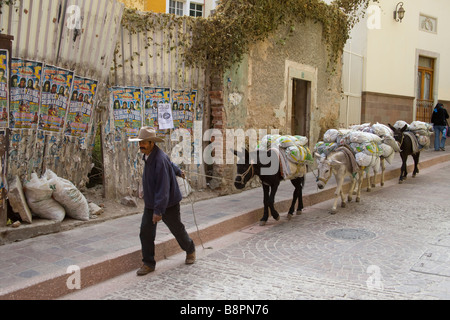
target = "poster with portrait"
x: 184, y: 102
x: 25, y: 93
x: 178, y: 108
x: 56, y: 88
x: 154, y: 97
x: 127, y: 110
x: 4, y: 89
x: 190, y: 106
x: 81, y: 107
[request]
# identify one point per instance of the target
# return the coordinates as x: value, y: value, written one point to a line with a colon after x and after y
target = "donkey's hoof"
x: 262, y: 223
x: 290, y: 216
x: 299, y: 212
x: 400, y: 182
x: 413, y: 176
x: 343, y: 205
x: 358, y: 200
x: 333, y: 211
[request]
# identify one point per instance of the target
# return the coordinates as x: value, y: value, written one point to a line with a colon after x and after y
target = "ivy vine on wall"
x: 224, y: 38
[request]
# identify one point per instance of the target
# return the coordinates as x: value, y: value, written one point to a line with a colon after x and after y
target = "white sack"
x: 67, y: 195
x: 39, y: 198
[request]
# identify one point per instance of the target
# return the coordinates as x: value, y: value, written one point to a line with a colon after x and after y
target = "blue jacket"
x: 161, y: 189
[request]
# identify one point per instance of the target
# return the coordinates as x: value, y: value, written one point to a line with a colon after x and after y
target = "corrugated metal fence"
x: 87, y: 37
x: 151, y: 57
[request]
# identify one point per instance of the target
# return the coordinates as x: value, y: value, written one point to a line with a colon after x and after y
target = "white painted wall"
x: 392, y: 50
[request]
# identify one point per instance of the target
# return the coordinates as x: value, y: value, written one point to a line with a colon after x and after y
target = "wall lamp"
x: 399, y: 13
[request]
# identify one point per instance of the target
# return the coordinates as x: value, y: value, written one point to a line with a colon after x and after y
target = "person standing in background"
x: 439, y: 121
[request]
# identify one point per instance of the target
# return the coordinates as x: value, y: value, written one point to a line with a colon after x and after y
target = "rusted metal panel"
x: 79, y: 35
x: 150, y: 58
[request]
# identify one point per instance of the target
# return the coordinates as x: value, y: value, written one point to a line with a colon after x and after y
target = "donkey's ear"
x: 404, y: 128
x: 391, y: 127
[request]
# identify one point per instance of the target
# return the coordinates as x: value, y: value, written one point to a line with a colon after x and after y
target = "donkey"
x: 253, y: 166
x: 406, y: 149
x: 339, y: 164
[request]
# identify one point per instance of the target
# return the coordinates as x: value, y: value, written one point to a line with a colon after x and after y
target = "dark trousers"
x: 148, y: 233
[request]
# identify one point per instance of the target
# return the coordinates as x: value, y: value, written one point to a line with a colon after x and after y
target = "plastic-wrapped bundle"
x: 392, y: 143
x: 401, y: 124
x: 298, y: 154
x: 363, y: 137
x: 382, y: 130
x: 421, y: 128
x: 267, y: 141
x: 424, y: 141
x: 388, y: 152
x: 301, y: 141
x: 285, y: 141
x: 365, y: 160
x: 369, y: 148
x: 330, y: 136
x: 325, y: 148
x: 362, y: 127
x: 418, y: 125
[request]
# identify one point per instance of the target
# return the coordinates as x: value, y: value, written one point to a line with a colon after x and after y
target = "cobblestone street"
x: 395, y: 244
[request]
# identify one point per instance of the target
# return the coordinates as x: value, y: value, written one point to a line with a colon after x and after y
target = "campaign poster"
x: 57, y: 85
x: 81, y: 107
x: 127, y: 110
x: 190, y: 106
x: 4, y: 89
x: 178, y: 108
x: 25, y: 93
x: 154, y: 97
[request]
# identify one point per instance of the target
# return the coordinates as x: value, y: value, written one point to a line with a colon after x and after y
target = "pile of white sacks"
x: 293, y: 152
x: 367, y: 142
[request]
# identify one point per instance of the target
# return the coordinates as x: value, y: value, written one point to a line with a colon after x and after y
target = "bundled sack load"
x: 421, y: 130
x: 67, y: 195
x: 338, y: 136
x: 294, y: 147
x: 325, y: 148
x: 382, y: 130
x: 38, y: 193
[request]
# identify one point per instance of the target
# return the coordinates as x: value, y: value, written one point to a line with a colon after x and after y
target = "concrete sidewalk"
x: 37, y: 268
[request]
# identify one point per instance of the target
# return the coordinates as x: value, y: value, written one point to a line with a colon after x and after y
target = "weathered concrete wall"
x: 258, y: 92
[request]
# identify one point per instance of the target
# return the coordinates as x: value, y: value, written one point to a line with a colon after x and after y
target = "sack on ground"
x: 67, y: 195
x: 39, y: 198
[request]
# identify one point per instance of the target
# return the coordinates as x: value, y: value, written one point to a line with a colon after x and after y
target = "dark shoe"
x: 144, y: 270
x: 190, y: 258
x: 443, y: 149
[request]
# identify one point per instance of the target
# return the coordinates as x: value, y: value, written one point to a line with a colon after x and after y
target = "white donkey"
x: 339, y: 163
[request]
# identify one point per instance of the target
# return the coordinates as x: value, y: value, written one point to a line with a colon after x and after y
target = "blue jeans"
x: 438, y: 141
x: 148, y: 233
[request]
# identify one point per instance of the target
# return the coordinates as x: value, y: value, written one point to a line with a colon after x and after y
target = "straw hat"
x: 147, y: 134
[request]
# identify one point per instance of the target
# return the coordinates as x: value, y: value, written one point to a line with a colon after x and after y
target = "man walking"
x: 162, y: 199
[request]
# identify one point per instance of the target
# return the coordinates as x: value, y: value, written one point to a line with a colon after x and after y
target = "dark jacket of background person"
x: 439, y: 115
